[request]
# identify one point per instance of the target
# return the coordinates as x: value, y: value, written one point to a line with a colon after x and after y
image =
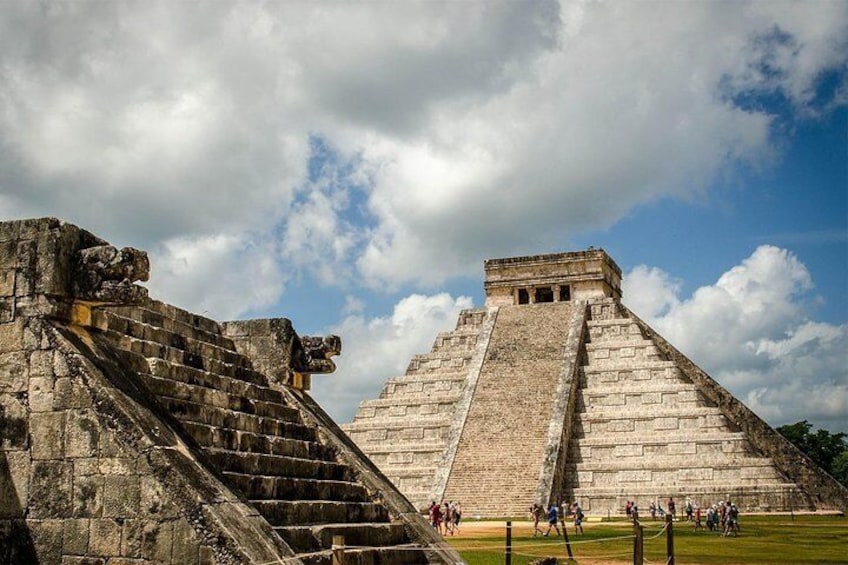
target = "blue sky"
x: 350, y: 166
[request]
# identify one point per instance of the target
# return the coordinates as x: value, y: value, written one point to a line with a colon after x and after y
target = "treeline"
x: 829, y: 451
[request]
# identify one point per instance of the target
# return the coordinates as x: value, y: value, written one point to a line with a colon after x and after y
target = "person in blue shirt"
x: 553, y: 517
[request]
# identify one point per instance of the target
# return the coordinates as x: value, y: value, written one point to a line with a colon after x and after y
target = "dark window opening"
x: 544, y: 295
x: 523, y: 296
x: 564, y: 293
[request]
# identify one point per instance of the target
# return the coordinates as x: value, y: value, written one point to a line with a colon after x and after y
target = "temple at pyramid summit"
x: 135, y: 432
x: 556, y: 392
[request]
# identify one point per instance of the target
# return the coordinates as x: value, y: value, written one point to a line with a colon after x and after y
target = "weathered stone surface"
x: 127, y: 428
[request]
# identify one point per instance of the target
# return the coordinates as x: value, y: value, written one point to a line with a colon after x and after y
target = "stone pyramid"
x: 556, y: 392
x: 135, y: 432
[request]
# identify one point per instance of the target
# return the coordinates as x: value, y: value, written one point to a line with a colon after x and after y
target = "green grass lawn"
x: 763, y: 540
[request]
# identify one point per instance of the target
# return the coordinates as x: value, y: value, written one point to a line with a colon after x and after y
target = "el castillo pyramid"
x: 556, y: 392
x: 134, y: 432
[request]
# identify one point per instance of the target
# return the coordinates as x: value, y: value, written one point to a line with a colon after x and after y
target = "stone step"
x: 408, y: 407
x: 197, y: 354
x: 446, y: 398
x: 660, y: 385
x: 255, y: 387
x: 695, y: 436
x: 404, y: 458
x: 658, y: 413
x: 639, y: 402
x: 237, y: 440
x: 171, y: 318
x: 263, y: 487
x: 314, y: 512
x: 407, y: 554
x: 681, y: 461
x: 612, y: 353
x: 690, y: 491
x: 619, y: 366
x: 407, y: 447
x: 437, y: 363
x: 605, y: 331
x: 219, y: 399
x: 428, y: 422
x: 241, y: 370
x: 472, y: 318
x: 417, y: 385
x: 279, y: 465
x: 309, y: 539
x: 189, y: 411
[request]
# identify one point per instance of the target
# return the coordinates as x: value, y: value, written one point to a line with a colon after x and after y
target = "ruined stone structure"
x: 555, y: 391
x: 134, y: 432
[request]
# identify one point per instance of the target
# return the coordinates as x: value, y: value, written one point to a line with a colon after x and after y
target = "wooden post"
x: 565, y: 535
x: 669, y: 540
x: 338, y: 550
x: 638, y: 544
x: 508, y: 553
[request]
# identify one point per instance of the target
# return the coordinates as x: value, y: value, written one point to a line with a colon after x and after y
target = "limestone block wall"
x: 645, y: 432
x: 77, y: 486
x: 406, y: 430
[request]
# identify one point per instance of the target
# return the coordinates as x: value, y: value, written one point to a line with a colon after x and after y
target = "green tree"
x: 829, y: 451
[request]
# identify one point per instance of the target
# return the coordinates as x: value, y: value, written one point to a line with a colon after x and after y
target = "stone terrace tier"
x: 645, y: 432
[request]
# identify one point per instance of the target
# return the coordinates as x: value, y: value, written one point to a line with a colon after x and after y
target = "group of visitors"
x: 721, y: 517
x: 556, y: 515
x: 445, y: 517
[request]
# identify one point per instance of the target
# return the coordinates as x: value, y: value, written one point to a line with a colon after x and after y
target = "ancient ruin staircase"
x: 255, y: 437
x: 510, y: 413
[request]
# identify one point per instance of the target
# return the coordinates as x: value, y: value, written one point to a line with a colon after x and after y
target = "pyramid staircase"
x: 255, y: 437
x: 406, y: 429
x: 644, y: 430
x: 496, y: 468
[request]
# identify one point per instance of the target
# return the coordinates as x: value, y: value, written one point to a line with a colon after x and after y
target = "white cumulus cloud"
x: 375, y: 349
x: 752, y: 332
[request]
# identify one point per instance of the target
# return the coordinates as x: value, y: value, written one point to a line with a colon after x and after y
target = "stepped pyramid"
x: 135, y: 432
x: 556, y: 392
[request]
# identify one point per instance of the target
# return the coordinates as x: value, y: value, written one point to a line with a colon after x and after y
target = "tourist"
x: 433, y: 513
x: 634, y: 512
x: 536, y: 515
x: 578, y: 518
x: 447, y: 512
x: 732, y: 521
x: 552, y: 520
x: 710, y: 516
x: 653, y: 510
x: 698, y: 525
x: 688, y: 510
x: 627, y: 508
x: 672, y: 507
x: 457, y: 516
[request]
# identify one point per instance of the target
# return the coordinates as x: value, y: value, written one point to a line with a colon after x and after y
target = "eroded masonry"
x: 555, y: 392
x: 135, y: 432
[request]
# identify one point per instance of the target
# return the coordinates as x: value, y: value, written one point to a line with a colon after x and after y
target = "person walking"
x: 553, y: 517
x: 536, y: 515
